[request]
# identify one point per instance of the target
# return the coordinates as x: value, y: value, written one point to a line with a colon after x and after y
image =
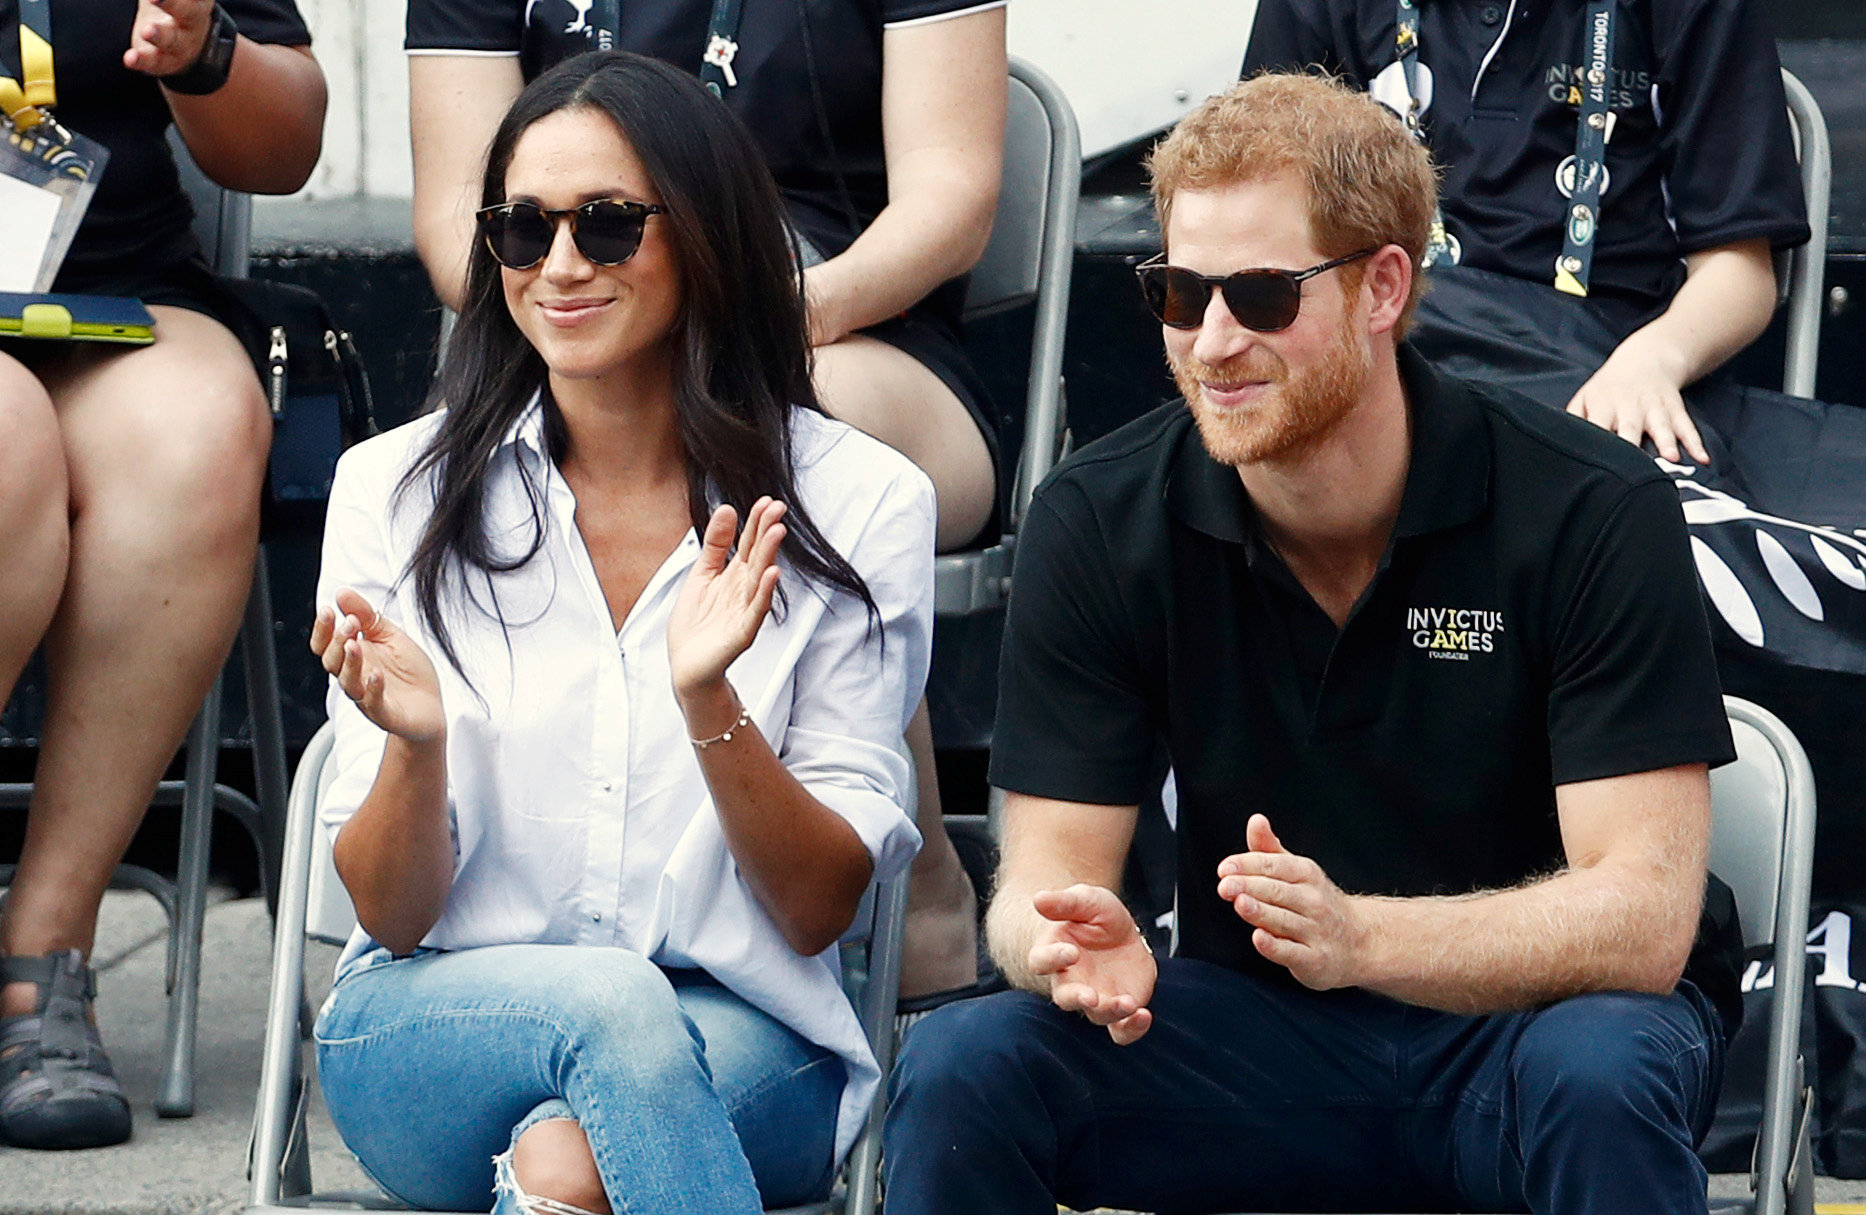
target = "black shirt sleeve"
x: 1074, y: 722
x: 496, y: 26
x: 271, y: 21
x: 893, y: 12
x: 1728, y: 151
x: 1634, y: 683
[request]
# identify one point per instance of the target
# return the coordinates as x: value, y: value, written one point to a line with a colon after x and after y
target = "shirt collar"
x: 1447, y: 484
x: 527, y: 430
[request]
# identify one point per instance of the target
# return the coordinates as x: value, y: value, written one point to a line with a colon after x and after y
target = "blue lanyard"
x: 1593, y: 129
x: 722, y: 46
x: 1590, y: 151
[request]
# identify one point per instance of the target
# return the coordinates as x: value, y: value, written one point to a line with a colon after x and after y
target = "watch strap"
x: 209, y: 72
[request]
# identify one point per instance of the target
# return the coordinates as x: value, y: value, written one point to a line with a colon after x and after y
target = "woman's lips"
x: 568, y: 313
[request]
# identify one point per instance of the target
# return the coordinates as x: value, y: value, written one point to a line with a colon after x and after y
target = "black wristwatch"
x: 209, y: 72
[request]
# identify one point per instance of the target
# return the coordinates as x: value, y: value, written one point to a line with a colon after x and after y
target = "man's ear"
x: 1388, y: 283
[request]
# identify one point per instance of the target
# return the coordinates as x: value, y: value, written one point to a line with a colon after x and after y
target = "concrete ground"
x: 197, y: 1166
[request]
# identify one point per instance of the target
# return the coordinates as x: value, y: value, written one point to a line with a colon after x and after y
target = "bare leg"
x: 892, y: 396
x: 552, y: 1159
x: 889, y: 394
x: 939, y: 949
x: 34, y: 534
x: 165, y: 448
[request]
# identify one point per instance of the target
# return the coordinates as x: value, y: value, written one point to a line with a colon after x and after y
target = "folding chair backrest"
x: 1762, y: 844
x: 223, y: 218
x: 1030, y: 257
x: 1807, y: 265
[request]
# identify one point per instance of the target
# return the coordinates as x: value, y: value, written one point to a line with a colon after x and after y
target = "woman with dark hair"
x: 601, y: 847
x: 883, y: 124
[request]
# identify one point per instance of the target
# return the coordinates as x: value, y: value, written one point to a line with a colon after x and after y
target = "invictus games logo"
x: 1453, y: 634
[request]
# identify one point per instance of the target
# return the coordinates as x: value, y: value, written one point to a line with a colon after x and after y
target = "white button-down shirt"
x: 580, y: 815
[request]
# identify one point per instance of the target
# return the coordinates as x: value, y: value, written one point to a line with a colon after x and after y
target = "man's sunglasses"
x: 606, y: 231
x: 1264, y: 300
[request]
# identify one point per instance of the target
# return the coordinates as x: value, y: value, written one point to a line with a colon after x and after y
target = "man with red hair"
x: 1436, y: 684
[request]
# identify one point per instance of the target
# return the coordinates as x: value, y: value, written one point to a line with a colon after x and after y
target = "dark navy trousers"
x: 1252, y: 1095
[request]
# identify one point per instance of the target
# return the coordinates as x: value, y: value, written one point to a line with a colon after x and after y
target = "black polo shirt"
x: 1535, y: 620
x: 1701, y: 154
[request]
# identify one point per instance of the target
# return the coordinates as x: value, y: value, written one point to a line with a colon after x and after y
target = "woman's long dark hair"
x: 742, y: 353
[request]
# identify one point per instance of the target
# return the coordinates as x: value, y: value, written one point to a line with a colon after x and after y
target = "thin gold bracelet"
x: 745, y: 719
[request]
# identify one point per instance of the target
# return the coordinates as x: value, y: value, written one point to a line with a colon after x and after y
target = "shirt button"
x: 609, y: 786
x: 596, y: 917
x: 1490, y: 14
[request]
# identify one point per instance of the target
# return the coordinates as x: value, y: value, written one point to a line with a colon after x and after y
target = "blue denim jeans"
x: 1248, y: 1095
x: 692, y: 1099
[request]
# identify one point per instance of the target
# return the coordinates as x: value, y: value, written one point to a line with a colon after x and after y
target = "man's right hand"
x: 1095, y: 958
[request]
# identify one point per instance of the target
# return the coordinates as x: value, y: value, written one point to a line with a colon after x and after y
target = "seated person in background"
x: 883, y: 124
x: 1438, y: 693
x: 1699, y: 165
x: 624, y: 636
x: 129, y: 493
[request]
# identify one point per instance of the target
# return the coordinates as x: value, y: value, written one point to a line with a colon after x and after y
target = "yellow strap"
x: 45, y: 321
x: 35, y: 55
x: 1568, y: 283
x: 13, y: 103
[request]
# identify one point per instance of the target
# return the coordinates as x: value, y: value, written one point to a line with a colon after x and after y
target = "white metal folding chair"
x: 1030, y: 257
x: 313, y: 903
x: 1802, y: 270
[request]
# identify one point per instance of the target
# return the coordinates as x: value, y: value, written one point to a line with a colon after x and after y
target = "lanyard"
x: 606, y: 19
x: 26, y: 107
x: 1593, y: 128
x: 1438, y: 244
x: 722, y: 46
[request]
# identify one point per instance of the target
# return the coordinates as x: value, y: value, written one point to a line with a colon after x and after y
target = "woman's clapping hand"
x: 726, y: 596
x: 379, y: 667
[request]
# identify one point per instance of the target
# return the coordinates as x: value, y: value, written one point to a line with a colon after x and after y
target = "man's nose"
x: 1220, y: 337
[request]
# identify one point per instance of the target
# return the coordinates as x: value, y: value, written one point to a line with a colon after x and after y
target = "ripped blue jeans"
x: 692, y: 1100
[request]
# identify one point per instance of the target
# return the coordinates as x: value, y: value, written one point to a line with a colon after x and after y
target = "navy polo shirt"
x: 1535, y: 620
x: 1701, y: 153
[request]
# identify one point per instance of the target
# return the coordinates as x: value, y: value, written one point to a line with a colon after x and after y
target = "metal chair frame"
x: 313, y: 903
x: 1801, y: 271
x: 1030, y: 257
x: 223, y: 225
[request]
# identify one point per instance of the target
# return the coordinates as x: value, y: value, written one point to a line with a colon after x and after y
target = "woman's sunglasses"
x: 606, y: 231
x: 1264, y: 300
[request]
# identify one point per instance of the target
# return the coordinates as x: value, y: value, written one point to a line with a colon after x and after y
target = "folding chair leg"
x: 270, y: 779
x: 1800, y: 1179
x: 175, y: 1098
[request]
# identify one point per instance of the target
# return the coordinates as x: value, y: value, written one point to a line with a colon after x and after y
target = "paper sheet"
x: 26, y: 217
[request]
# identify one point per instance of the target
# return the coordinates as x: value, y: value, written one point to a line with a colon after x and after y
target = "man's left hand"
x: 1303, y: 921
x: 1634, y: 396
x: 168, y: 35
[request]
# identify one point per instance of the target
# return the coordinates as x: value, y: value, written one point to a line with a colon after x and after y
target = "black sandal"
x: 56, y: 1086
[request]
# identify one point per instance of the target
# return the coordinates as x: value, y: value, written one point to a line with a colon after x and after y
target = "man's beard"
x: 1296, y: 411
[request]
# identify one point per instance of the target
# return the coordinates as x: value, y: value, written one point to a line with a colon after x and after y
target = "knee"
x: 1598, y: 1055
x: 202, y: 449
x: 552, y: 1159
x: 969, y: 1059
